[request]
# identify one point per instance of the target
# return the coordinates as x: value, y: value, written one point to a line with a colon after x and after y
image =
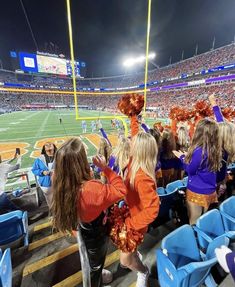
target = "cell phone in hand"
x: 18, y: 150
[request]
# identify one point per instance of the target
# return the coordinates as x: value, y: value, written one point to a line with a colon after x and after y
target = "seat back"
x: 167, y: 202
x: 174, y: 186
x: 228, y: 208
x: 12, y: 227
x: 161, y: 190
x: 211, y: 224
x: 179, y: 262
x: 6, y: 269
x: 195, y: 274
x: 181, y: 246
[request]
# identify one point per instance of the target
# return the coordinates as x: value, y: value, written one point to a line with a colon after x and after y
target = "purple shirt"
x: 218, y: 115
x: 221, y: 174
x: 200, y: 179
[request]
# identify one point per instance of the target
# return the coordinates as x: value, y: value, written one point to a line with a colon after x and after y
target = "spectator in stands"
x: 79, y: 202
x: 227, y: 133
x: 182, y: 144
x: 6, y: 167
x: 167, y: 157
x: 42, y: 168
x: 201, y: 163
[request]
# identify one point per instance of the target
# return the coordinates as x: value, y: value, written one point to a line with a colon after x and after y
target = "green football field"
x: 30, y: 129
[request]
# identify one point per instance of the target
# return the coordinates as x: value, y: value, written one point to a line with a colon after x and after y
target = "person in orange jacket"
x: 141, y: 198
x: 79, y: 203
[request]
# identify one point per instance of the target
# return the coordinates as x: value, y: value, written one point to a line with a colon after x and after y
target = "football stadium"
x: 117, y: 176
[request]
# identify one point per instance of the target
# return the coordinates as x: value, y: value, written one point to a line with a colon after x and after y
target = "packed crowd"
x: 129, y: 174
x: 162, y: 101
x: 191, y: 66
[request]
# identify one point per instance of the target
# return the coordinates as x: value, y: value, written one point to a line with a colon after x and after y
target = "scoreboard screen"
x: 37, y: 63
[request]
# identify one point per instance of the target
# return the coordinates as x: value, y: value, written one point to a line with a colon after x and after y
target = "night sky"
x: 107, y: 31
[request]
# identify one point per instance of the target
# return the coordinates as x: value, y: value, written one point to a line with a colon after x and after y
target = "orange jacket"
x: 96, y: 197
x: 142, y: 200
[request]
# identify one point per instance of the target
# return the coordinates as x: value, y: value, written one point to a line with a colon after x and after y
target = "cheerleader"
x: 80, y: 201
x: 201, y: 163
x: 141, y: 198
x: 227, y: 132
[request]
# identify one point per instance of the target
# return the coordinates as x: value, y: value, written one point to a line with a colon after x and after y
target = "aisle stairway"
x: 52, y: 259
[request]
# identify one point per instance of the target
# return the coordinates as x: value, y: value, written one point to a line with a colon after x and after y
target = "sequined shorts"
x: 204, y: 200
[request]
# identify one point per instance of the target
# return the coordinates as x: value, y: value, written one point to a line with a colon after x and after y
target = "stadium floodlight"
x: 132, y: 61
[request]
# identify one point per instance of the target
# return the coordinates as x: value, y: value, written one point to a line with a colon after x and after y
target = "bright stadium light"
x: 132, y: 61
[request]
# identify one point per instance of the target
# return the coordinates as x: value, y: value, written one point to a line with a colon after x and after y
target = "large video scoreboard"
x: 41, y: 63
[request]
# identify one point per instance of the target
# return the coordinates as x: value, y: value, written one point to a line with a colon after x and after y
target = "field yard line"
x: 41, y: 129
x: 35, y: 137
x: 96, y: 146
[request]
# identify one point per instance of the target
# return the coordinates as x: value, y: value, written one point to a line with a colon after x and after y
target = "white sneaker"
x: 142, y: 278
x: 107, y: 276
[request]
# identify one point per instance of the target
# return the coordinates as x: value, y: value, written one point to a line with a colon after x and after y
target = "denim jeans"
x: 6, y: 205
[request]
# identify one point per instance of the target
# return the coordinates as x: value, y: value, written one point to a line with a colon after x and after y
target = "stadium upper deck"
x: 202, y: 65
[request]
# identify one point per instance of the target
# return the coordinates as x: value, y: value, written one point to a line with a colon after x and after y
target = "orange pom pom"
x: 227, y: 113
x: 203, y: 109
x: 131, y: 104
x: 126, y: 240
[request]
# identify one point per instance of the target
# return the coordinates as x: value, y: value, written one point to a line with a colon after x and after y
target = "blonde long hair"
x: 183, y: 139
x: 71, y: 171
x: 144, y: 152
x: 122, y: 154
x: 207, y: 137
x: 227, y: 133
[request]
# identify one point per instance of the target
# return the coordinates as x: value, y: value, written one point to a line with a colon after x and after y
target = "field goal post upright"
x: 72, y: 58
x: 147, y: 54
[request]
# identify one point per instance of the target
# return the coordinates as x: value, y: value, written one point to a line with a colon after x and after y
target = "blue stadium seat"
x: 185, y: 181
x: 14, y: 226
x: 175, y: 185
x: 161, y: 190
x: 5, y: 269
x: 179, y: 262
x: 210, y: 227
x: 227, y: 210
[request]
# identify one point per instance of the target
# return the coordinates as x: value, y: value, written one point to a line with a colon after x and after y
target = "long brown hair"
x: 71, y: 171
x: 168, y: 144
x: 207, y: 137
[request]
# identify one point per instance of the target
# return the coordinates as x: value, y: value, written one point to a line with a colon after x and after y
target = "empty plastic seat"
x: 173, y: 186
x: 5, y: 269
x: 227, y: 210
x: 179, y: 262
x: 13, y: 226
x: 161, y: 190
x: 210, y: 226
